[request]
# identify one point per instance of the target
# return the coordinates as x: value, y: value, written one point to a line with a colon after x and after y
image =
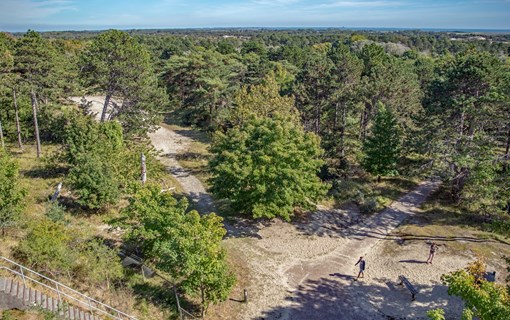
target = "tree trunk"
x: 507, y: 157
x: 202, y: 306
x: 507, y: 150
x: 144, y: 168
x: 364, y: 121
x: 18, y: 127
x: 33, y: 98
x: 105, y: 106
x: 2, y: 135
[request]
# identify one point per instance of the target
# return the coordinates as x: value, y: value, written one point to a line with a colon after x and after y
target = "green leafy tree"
x: 119, y: 67
x: 183, y: 244
x: 382, y: 147
x: 484, y: 300
x: 11, y: 192
x: 94, y: 182
x: 262, y: 100
x: 267, y: 168
x: 465, y: 117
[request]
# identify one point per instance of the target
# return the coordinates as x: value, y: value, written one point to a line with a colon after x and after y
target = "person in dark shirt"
x: 362, y: 265
x: 432, y: 253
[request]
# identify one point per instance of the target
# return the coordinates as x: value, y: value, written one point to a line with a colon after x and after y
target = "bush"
x: 369, y: 205
x: 55, y: 212
x: 46, y: 248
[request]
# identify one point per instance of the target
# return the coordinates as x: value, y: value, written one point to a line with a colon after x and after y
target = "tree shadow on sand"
x: 339, y: 297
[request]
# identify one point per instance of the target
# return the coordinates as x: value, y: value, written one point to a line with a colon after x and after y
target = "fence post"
x: 58, y: 292
x: 245, y: 296
x: 22, y: 276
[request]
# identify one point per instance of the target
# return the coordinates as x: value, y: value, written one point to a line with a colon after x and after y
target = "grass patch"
x: 371, y: 196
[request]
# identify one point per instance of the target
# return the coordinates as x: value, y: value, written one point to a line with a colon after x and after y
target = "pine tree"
x: 382, y: 147
x: 34, y: 62
x: 119, y: 67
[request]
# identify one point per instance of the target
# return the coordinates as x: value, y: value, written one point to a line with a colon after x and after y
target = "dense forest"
x: 294, y: 116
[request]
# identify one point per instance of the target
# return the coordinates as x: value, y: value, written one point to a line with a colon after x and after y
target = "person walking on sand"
x: 362, y: 265
x: 432, y: 253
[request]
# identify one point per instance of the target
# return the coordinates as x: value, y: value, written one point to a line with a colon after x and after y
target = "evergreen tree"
x: 119, y: 67
x: 267, y: 168
x: 382, y: 147
x: 34, y: 62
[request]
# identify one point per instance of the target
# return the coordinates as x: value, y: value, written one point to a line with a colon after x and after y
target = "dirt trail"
x: 171, y: 143
x: 298, y: 275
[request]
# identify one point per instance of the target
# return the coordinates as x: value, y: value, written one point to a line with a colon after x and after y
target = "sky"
x: 46, y: 15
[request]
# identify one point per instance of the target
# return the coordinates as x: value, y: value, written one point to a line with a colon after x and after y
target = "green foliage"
x: 382, y: 147
x: 35, y: 61
x: 55, y: 212
x: 11, y: 192
x: 267, y: 168
x: 201, y: 84
x: 262, y: 100
x: 101, y: 164
x: 485, y: 300
x: 93, y: 151
x: 98, y: 263
x: 436, y: 314
x: 94, y: 181
x: 45, y: 248
x: 183, y: 244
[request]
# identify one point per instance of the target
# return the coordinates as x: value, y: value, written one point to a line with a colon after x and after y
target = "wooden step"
x: 70, y: 312
x: 14, y: 288
x: 8, y: 285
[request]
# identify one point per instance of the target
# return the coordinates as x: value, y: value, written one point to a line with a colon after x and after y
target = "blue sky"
x: 20, y: 15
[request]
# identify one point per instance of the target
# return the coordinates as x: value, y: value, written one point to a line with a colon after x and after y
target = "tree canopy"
x: 267, y: 168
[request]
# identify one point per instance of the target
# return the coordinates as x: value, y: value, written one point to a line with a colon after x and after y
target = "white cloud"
x: 19, y: 10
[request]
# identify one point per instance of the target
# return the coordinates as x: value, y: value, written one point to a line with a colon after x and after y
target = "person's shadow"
x: 342, y: 276
x: 413, y: 261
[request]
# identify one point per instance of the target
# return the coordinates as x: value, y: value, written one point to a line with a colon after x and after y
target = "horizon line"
x: 436, y: 29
